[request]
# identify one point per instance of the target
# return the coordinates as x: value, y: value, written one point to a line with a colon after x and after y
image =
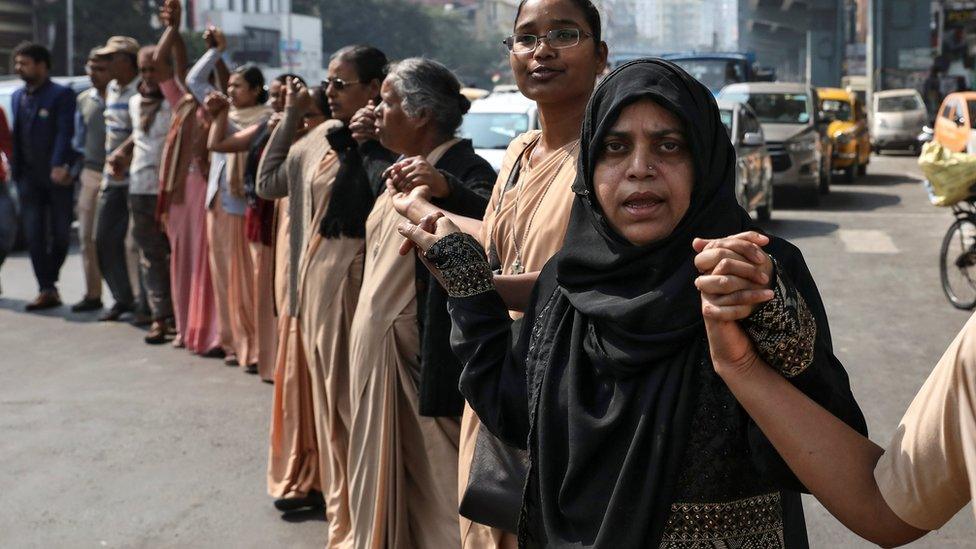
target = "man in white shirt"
x: 112, y: 223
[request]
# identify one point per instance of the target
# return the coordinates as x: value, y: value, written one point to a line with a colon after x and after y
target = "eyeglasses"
x: 337, y: 83
x: 557, y: 39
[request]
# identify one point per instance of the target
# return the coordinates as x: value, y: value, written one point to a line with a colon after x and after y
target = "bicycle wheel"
x: 957, y: 264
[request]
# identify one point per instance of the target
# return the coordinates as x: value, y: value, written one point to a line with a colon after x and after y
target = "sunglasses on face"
x: 557, y: 39
x: 338, y: 83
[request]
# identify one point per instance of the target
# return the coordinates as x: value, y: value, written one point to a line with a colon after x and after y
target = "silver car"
x: 753, y: 166
x: 793, y: 130
x: 897, y: 118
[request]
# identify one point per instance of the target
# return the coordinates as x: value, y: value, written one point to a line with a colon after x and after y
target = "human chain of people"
x: 594, y: 345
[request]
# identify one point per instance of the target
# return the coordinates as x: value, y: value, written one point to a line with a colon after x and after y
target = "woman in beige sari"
x: 556, y: 55
x: 405, y: 403
x: 327, y: 225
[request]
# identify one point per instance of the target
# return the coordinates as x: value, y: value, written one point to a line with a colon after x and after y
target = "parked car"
x: 753, y: 166
x: 494, y: 121
x: 897, y: 117
x: 955, y: 124
x: 794, y: 133
x: 848, y: 131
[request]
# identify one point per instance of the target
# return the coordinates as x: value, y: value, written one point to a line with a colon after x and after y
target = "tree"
x: 403, y: 30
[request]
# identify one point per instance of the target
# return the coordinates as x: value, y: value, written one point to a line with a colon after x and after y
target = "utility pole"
x: 71, y: 37
x: 871, y: 47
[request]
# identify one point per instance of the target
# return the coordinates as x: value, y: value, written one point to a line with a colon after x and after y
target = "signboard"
x: 914, y: 58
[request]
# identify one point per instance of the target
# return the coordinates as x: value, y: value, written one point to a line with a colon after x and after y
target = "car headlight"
x: 803, y: 145
x: 842, y: 138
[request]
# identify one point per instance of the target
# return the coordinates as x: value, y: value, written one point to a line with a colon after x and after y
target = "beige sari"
x: 402, y: 465
x: 330, y: 276
x: 530, y: 225
x: 293, y: 454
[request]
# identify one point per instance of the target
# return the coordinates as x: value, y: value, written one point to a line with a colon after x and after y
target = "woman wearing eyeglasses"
x: 556, y: 54
x: 321, y: 175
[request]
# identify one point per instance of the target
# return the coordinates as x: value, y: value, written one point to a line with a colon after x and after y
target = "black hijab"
x: 622, y: 336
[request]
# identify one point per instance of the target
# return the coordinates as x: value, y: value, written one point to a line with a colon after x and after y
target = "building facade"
x: 263, y: 32
x: 16, y: 26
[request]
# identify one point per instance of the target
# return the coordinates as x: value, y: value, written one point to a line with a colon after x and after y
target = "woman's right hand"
x: 216, y: 103
x: 297, y: 96
x: 363, y: 124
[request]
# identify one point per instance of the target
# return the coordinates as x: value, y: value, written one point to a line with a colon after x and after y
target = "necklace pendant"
x: 517, y: 268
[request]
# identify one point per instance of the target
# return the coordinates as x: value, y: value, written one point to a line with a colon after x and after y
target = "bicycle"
x: 957, y: 260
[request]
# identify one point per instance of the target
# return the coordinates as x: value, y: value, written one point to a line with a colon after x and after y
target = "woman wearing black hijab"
x: 634, y: 441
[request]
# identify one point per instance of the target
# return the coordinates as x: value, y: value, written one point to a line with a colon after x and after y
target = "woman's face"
x: 276, y: 96
x: 312, y: 118
x: 548, y: 75
x: 354, y: 94
x: 395, y: 129
x: 644, y: 176
x: 241, y: 93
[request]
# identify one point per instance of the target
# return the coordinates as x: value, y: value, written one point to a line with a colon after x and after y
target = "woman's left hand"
x: 431, y: 228
x: 416, y: 171
x: 736, y: 277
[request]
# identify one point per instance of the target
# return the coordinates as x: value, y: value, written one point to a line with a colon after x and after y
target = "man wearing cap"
x: 117, y: 255
x: 43, y: 116
x: 89, y: 141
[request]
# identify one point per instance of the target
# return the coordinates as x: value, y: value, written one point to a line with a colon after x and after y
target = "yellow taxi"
x: 847, y: 128
x: 955, y: 125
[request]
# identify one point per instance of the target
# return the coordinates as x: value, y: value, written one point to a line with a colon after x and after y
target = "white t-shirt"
x: 147, y: 147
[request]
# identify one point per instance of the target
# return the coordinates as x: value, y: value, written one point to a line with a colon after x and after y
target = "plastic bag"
x: 950, y: 174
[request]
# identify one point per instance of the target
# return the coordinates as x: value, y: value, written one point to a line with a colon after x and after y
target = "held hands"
x: 416, y: 171
x: 363, y: 124
x: 215, y: 38
x: 118, y: 163
x: 296, y: 95
x: 736, y: 278
x: 404, y: 201
x: 216, y: 103
x: 170, y: 13
x: 422, y: 236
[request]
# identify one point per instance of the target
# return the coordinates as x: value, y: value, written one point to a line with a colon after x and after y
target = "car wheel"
x: 851, y: 171
x: 824, y: 179
x: 810, y: 196
x: 862, y: 170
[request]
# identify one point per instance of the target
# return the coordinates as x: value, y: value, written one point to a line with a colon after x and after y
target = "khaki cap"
x: 119, y: 44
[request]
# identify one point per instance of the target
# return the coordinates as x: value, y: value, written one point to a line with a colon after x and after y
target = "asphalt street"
x: 108, y: 442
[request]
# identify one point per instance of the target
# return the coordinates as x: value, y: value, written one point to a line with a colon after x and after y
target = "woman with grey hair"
x: 405, y: 403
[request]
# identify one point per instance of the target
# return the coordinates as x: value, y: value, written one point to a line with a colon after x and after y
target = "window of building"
x: 259, y: 46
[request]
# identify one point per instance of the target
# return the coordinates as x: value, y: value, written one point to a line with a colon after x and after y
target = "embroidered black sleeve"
x: 462, y: 265
x: 783, y: 329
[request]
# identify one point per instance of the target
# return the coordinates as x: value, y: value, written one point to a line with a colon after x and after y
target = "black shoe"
x: 216, y: 352
x: 157, y: 333
x: 115, y: 313
x: 313, y: 500
x: 140, y: 319
x: 231, y: 361
x: 87, y: 304
x: 251, y: 369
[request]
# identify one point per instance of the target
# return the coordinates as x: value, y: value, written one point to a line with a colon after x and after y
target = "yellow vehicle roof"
x: 835, y: 94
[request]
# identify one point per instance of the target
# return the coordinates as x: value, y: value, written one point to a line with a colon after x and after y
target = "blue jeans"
x: 47, y: 211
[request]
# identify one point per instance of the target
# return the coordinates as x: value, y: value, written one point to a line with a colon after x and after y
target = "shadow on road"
x: 839, y: 200
x: 304, y: 515
x: 798, y: 228
x: 877, y: 180
x: 62, y: 312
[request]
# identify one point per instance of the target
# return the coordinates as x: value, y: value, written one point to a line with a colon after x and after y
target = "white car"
x: 494, y: 121
x: 897, y: 117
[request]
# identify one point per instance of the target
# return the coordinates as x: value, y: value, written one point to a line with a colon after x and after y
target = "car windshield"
x: 714, y: 73
x: 490, y: 130
x: 726, y: 115
x: 838, y: 110
x: 775, y: 108
x: 900, y: 103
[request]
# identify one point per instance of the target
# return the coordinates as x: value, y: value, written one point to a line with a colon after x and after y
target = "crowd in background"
x: 593, y: 347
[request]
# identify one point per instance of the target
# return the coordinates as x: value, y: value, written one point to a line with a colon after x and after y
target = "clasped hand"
x: 736, y: 277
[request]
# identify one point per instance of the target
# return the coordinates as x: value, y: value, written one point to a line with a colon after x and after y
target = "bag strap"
x: 494, y: 261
